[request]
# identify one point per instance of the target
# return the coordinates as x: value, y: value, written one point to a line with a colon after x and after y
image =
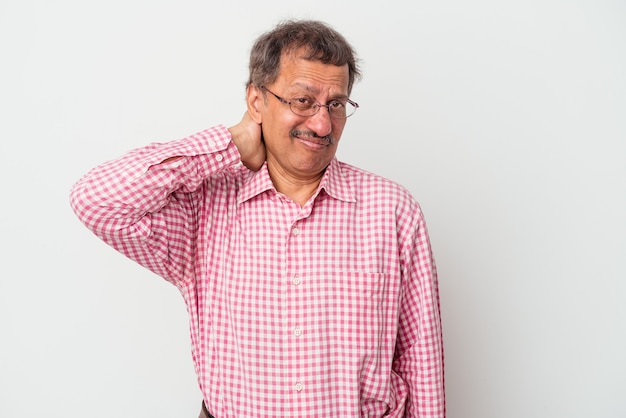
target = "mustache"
x: 300, y: 133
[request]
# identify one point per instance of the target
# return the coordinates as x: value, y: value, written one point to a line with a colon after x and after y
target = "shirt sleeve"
x: 418, y: 359
x: 143, y: 204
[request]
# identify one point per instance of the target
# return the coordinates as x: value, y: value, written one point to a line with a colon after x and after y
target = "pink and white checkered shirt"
x: 330, y: 309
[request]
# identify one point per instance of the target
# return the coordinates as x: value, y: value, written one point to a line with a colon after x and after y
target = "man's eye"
x: 336, y: 104
x: 303, y: 102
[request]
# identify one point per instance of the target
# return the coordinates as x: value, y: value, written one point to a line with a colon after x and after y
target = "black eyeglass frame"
x: 316, y: 107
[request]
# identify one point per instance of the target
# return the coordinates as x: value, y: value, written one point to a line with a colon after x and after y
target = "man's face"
x: 294, y: 144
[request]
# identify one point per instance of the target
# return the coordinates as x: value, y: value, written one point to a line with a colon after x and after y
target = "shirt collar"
x: 256, y: 183
x: 334, y: 183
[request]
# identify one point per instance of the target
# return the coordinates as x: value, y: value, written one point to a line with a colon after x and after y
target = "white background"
x: 506, y: 120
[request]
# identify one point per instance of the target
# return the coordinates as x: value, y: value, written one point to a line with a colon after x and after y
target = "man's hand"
x: 246, y: 136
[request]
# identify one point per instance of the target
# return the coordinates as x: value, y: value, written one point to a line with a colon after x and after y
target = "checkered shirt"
x: 329, y: 309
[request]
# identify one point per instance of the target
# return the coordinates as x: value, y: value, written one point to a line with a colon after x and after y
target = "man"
x: 310, y: 284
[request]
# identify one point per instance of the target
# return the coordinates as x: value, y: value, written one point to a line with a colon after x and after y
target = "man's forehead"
x: 296, y: 64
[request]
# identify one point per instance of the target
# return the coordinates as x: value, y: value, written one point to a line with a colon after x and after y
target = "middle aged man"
x: 310, y: 283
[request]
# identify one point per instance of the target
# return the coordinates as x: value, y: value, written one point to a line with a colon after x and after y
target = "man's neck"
x: 298, y: 189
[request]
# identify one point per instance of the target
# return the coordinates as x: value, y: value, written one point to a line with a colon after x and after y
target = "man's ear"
x: 255, y: 102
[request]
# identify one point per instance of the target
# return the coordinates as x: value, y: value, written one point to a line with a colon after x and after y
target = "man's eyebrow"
x: 313, y: 90
x: 306, y: 87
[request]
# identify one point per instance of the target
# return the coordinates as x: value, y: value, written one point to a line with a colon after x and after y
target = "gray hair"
x: 319, y: 41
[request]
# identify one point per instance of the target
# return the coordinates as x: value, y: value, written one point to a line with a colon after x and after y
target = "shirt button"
x: 296, y: 231
x: 296, y: 280
x: 297, y: 331
x: 219, y: 157
x: 298, y: 386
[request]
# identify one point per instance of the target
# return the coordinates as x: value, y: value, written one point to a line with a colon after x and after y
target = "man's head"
x: 319, y: 41
x: 301, y: 75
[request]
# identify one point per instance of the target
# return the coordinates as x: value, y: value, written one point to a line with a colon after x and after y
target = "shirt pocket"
x: 352, y: 311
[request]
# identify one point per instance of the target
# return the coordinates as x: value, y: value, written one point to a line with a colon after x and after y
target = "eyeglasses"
x: 304, y: 106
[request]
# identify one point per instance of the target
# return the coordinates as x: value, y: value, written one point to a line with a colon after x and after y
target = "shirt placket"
x: 295, y: 330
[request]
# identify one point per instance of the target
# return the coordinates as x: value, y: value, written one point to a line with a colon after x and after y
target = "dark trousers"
x: 204, y: 413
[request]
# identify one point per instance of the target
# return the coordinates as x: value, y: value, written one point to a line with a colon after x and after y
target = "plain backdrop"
x: 505, y: 119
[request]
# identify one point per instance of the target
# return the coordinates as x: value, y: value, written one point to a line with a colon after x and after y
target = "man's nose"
x: 321, y: 122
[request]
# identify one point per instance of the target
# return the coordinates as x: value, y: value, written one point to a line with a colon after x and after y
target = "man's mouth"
x: 310, y: 136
